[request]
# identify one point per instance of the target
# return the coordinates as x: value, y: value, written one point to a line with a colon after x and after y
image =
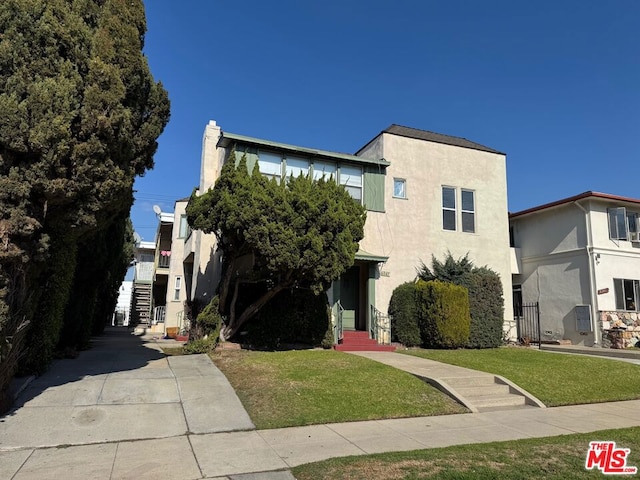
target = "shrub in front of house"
x: 443, y: 314
x: 294, y: 316
x: 486, y: 305
x: 404, y: 319
x: 205, y: 333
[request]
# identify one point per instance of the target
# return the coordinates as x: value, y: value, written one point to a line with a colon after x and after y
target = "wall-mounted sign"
x: 384, y: 274
x: 603, y: 291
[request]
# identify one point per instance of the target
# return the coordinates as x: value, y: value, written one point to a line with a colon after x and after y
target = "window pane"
x: 355, y: 192
x: 632, y: 220
x: 636, y: 291
x: 617, y: 223
x: 184, y: 227
x: 629, y: 300
x: 468, y: 222
x: 270, y: 164
x: 399, y: 188
x: 351, y: 176
x: 296, y: 166
x: 324, y: 169
x: 467, y: 201
x: 448, y: 197
x: 619, y: 292
x: 449, y: 219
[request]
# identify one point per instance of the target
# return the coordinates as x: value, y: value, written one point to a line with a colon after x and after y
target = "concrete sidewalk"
x: 125, y: 411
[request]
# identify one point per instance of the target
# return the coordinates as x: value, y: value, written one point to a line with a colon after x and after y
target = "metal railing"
x: 379, y: 327
x: 158, y: 314
x: 337, y: 328
x: 164, y: 261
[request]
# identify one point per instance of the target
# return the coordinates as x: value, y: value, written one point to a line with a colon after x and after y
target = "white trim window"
x: 324, y: 170
x: 184, y: 229
x: 295, y: 166
x: 176, y: 289
x: 449, y: 208
x: 399, y: 188
x: 351, y: 178
x: 270, y: 165
x: 468, y: 211
x: 627, y: 294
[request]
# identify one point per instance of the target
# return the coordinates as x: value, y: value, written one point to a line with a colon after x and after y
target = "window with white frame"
x: 627, y: 294
x: 177, y: 287
x: 324, y: 170
x: 351, y: 178
x: 184, y: 227
x: 270, y: 165
x: 468, y: 211
x: 623, y: 224
x: 294, y: 167
x: 399, y: 188
x: 448, y: 208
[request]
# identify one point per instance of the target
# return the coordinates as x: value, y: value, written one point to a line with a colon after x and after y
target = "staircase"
x: 141, y: 304
x: 487, y: 393
x: 358, y: 341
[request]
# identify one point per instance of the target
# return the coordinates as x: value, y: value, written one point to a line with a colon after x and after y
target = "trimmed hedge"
x: 404, y: 318
x: 443, y: 314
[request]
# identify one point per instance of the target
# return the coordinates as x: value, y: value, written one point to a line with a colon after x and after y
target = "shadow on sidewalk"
x: 116, y: 350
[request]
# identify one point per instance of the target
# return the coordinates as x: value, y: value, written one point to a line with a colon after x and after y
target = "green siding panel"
x: 374, y: 190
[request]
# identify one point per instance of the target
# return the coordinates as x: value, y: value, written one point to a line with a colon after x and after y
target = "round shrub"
x: 404, y: 318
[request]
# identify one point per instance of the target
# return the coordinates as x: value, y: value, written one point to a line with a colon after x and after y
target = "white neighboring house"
x: 122, y: 314
x: 425, y: 193
x: 579, y: 257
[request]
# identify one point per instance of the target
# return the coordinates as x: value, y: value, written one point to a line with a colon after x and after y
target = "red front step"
x: 358, y: 341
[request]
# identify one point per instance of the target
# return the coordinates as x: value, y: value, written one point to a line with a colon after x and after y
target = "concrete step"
x: 348, y: 347
x: 483, y: 390
x: 471, y: 381
x: 497, y: 401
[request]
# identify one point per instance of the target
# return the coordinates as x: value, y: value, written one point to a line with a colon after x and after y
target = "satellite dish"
x: 157, y: 209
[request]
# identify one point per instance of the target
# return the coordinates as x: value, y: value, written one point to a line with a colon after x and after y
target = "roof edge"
x: 575, y: 198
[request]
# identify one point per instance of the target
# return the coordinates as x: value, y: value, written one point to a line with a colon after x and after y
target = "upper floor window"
x: 324, y: 170
x: 270, y: 165
x: 184, y: 230
x: 351, y: 178
x: 448, y: 208
x: 627, y: 294
x: 399, y: 188
x: 176, y: 288
x: 468, y: 211
x: 296, y: 167
x: 622, y: 223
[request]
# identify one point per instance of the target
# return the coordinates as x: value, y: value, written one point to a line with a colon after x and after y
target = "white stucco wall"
x: 410, y: 230
x: 175, y: 308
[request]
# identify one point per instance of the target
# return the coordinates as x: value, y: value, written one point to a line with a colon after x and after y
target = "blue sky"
x: 554, y: 83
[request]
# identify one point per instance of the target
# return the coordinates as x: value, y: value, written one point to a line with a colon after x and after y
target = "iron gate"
x: 527, y: 317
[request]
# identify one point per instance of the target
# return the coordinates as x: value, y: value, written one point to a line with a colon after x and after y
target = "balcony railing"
x: 164, y: 260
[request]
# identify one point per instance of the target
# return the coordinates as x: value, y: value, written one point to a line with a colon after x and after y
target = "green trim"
x: 227, y: 138
x: 370, y: 257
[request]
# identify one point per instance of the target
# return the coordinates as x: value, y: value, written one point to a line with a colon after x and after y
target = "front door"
x: 350, y: 297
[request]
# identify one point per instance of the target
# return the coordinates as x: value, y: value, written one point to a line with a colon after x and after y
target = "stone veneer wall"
x: 620, y: 329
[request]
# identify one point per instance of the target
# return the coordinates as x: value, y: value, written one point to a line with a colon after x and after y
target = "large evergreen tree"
x: 80, y: 114
x: 302, y: 233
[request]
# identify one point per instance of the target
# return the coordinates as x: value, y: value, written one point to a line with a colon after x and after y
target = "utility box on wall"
x: 583, y: 318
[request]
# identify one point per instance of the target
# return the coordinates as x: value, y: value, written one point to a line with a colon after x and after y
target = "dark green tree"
x: 486, y: 301
x: 302, y: 233
x: 80, y: 114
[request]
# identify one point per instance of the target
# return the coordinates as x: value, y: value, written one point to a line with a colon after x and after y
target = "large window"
x: 627, y: 294
x: 324, y: 170
x: 448, y: 208
x: 185, y: 230
x: 622, y: 223
x: 468, y: 211
x: 270, y: 165
x: 351, y: 178
x: 296, y: 167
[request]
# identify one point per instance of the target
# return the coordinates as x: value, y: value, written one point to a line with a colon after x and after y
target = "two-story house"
x: 579, y: 258
x: 425, y: 194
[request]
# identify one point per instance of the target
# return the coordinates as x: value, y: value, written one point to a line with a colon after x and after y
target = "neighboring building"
x: 143, y: 275
x: 122, y: 314
x: 162, y: 265
x: 580, y: 259
x: 425, y: 194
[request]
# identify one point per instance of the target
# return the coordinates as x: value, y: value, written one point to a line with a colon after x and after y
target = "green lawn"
x: 554, y: 378
x: 283, y: 389
x: 560, y: 457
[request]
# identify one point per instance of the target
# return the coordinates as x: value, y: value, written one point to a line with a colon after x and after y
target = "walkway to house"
x: 124, y: 411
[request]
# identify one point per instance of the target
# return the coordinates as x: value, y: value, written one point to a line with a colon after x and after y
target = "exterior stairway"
x: 359, y: 341
x: 487, y: 393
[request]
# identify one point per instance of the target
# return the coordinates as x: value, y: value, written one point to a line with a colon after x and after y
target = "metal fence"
x: 527, y: 317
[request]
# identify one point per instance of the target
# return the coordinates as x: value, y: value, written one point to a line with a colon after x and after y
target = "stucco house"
x: 579, y: 258
x: 425, y: 193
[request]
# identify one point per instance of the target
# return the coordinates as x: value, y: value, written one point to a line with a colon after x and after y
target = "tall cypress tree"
x: 80, y: 114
